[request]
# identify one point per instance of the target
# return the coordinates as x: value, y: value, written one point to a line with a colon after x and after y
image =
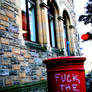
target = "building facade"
x: 31, y: 31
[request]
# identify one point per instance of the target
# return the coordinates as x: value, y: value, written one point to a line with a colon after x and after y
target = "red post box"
x: 66, y: 74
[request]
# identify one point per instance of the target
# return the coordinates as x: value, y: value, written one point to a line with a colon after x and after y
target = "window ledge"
x: 58, y: 51
x: 35, y: 45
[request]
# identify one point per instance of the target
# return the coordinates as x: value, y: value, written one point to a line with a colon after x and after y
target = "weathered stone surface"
x: 31, y: 61
x: 4, y: 23
x: 6, y: 48
x: 2, y: 28
x: 4, y: 41
x: 20, y: 58
x: 8, y: 81
x: 2, y: 34
x: 10, y: 14
x: 5, y: 59
x: 14, y: 60
x: 0, y: 59
x: 26, y: 55
x: 16, y: 50
x: 1, y: 52
x: 38, y: 72
x: 22, y: 75
x: 5, y: 18
x: 4, y: 72
x: 1, y: 83
x: 8, y: 54
x: 13, y: 28
x: 24, y: 63
x: 22, y: 51
x: 2, y: 12
x: 13, y: 72
x: 25, y: 80
x: 38, y: 61
x: 34, y: 54
x: 16, y: 67
x: 16, y: 82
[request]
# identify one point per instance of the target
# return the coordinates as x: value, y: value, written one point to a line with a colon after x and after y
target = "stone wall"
x: 19, y: 63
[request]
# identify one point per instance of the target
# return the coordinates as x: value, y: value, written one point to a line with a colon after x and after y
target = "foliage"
x: 87, y: 17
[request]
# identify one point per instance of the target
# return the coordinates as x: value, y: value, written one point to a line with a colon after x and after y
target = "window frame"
x: 52, y: 16
x: 66, y: 33
x: 28, y: 20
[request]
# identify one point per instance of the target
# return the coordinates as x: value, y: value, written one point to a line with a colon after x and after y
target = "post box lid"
x: 65, y: 59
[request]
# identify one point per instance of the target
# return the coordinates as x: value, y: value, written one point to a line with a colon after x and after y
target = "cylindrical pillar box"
x: 66, y: 74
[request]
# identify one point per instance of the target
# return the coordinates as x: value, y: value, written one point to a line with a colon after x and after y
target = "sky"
x: 82, y: 29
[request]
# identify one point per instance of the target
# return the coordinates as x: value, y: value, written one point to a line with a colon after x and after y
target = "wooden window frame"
x: 28, y: 21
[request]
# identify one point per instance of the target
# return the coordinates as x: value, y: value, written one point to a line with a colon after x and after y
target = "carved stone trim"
x: 44, y: 5
x: 71, y: 26
x: 60, y: 18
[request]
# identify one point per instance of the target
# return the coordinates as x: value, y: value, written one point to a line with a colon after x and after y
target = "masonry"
x: 21, y: 60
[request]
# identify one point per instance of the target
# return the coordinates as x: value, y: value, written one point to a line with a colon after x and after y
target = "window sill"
x: 35, y: 45
x: 58, y: 51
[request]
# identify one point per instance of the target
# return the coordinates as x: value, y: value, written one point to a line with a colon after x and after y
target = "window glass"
x: 51, y: 24
x: 52, y: 32
x: 66, y: 35
x: 28, y: 19
x: 32, y: 21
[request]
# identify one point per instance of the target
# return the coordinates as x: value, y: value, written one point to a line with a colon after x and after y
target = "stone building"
x: 31, y: 31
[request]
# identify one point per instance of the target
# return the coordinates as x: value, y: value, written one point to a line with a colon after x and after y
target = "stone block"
x: 5, y: 18
x: 38, y: 61
x: 31, y: 61
x: 2, y: 34
x: 38, y: 72
x: 2, y: 28
x: 14, y: 60
x: 16, y: 67
x: 2, y: 12
x: 4, y: 72
x: 14, y: 77
x: 13, y: 72
x: 15, y: 35
x: 8, y: 54
x: 16, y: 50
x: 24, y: 63
x: 10, y: 14
x: 22, y: 51
x: 4, y: 23
x: 1, y: 52
x: 35, y: 78
x: 13, y: 28
x: 25, y: 80
x: 8, y: 82
x: 6, y: 48
x: 1, y: 83
x: 16, y: 82
x: 4, y: 41
x: 26, y: 55
x: 20, y: 58
x: 22, y: 75
x: 5, y: 60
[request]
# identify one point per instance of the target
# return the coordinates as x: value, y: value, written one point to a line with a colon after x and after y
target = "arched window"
x: 29, y: 20
x: 51, y: 20
x: 65, y: 24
